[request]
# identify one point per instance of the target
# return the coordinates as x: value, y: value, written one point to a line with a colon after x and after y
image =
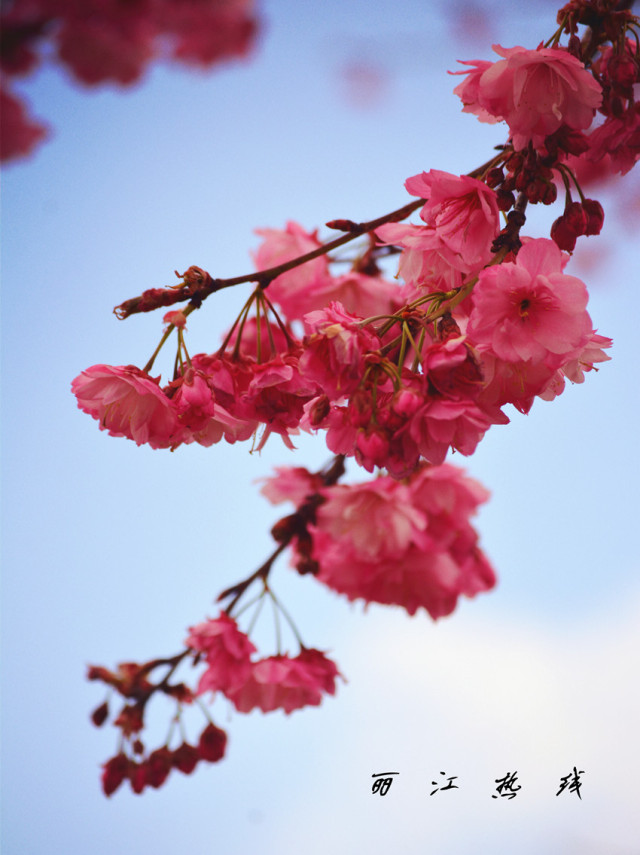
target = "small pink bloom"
x: 290, y: 484
x: 176, y: 318
x: 469, y: 90
x: 280, y: 682
x: 127, y: 402
x: 227, y: 651
x: 427, y: 261
x: 618, y: 138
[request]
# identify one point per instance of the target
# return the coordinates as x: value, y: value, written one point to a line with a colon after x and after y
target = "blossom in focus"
x: 127, y: 402
x: 282, y: 682
x: 529, y: 309
x: 426, y: 261
x: 335, y: 349
x: 536, y: 92
x: 462, y: 210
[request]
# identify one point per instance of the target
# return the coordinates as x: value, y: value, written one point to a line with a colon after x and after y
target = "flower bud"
x: 595, y: 216
x: 114, y: 772
x: 158, y: 767
x: 185, y: 758
x: 100, y: 714
x: 563, y: 235
x: 212, y: 743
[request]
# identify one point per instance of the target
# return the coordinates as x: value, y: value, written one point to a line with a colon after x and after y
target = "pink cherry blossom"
x: 127, y: 402
x: 334, y: 350
x: 404, y: 543
x: 462, y: 210
x: 301, y: 289
x: 290, y: 484
x: 618, y: 140
x: 226, y: 650
x: 574, y: 370
x: 282, y: 682
x: 530, y: 309
x: 535, y: 91
x: 427, y: 261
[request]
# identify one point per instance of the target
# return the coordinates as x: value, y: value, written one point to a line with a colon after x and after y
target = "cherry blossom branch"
x: 285, y: 530
x: 198, y: 284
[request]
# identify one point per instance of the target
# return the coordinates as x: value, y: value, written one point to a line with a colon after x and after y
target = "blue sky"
x: 112, y: 551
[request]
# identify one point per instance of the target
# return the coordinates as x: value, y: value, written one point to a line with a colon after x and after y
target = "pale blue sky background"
x: 112, y: 551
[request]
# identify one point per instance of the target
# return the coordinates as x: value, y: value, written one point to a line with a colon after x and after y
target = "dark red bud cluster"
x: 622, y: 73
x: 579, y: 218
x: 154, y: 770
x: 526, y: 172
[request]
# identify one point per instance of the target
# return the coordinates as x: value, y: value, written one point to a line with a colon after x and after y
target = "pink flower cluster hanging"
x: 397, y: 375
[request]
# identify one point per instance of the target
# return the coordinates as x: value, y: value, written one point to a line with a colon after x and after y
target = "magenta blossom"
x: 127, y: 402
x: 227, y: 651
x: 530, y: 309
x: 536, y: 92
x: 462, y: 210
x: 282, y: 682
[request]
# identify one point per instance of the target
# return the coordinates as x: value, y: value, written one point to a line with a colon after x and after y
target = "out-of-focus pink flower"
x: 619, y: 139
x: 530, y: 309
x: 282, y: 682
x: 426, y: 553
x: 20, y: 134
x: 426, y: 261
x: 290, y: 484
x: 462, y: 210
x: 227, y: 651
x: 535, y: 91
x: 127, y: 402
x: 176, y: 318
x: 297, y: 290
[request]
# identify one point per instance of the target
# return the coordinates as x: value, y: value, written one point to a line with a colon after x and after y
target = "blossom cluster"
x: 133, y: 762
x: 408, y: 543
x: 397, y: 374
x: 275, y: 682
x: 110, y: 41
x: 389, y: 390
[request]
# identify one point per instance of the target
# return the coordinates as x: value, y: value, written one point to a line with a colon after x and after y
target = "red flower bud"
x: 158, y: 767
x: 595, y: 216
x: 185, y: 758
x: 576, y: 218
x: 100, y: 714
x: 138, y: 777
x: 622, y: 71
x: 563, y: 235
x: 114, y: 772
x: 212, y: 743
